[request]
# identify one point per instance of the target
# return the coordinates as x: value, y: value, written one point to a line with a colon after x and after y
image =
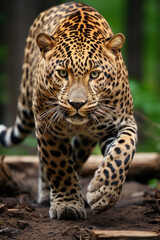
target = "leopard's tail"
x: 17, y: 133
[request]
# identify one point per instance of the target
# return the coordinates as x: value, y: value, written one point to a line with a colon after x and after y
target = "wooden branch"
x: 145, y: 166
x: 112, y: 234
x: 21, y: 159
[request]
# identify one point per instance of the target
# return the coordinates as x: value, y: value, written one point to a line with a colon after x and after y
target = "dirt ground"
x: 22, y: 219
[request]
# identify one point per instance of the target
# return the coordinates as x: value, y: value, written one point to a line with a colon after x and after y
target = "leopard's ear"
x: 45, y: 42
x: 115, y: 43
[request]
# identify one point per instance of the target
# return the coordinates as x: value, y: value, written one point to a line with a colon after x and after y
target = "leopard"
x: 75, y: 94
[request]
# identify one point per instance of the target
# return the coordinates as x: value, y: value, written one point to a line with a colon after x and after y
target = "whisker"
x: 103, y: 114
x: 48, y: 90
x: 104, y: 99
x: 49, y: 103
x: 108, y: 108
x: 57, y: 116
x: 94, y: 117
x: 46, y: 113
x: 108, y: 105
x: 69, y: 126
x: 53, y: 97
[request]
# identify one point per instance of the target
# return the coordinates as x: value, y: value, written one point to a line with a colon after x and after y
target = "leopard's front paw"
x: 67, y: 210
x: 102, y: 195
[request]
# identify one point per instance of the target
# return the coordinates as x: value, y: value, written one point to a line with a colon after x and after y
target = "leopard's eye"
x: 94, y: 74
x: 63, y: 73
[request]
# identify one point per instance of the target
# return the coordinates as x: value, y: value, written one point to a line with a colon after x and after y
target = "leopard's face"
x: 80, y: 78
x: 80, y: 94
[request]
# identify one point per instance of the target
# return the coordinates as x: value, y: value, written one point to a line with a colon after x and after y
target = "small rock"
x: 23, y: 224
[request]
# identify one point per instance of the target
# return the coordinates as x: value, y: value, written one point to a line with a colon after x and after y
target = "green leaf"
x: 153, y: 183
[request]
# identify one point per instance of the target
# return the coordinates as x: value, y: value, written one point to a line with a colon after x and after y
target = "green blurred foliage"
x: 151, y: 46
x: 96, y: 150
x: 146, y: 100
x: 154, y: 183
x: 147, y: 112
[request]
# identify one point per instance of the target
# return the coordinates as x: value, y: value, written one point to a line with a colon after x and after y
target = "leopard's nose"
x: 77, y: 105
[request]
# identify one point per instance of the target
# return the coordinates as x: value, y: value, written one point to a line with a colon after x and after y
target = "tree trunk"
x: 135, y: 38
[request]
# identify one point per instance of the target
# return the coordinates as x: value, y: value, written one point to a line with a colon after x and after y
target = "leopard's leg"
x: 82, y: 149
x: 105, y: 188
x: 43, y: 185
x: 66, y: 201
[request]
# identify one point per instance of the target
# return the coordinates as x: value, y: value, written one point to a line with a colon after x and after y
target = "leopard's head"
x: 79, y: 73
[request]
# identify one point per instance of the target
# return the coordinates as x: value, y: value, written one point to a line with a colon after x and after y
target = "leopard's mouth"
x: 77, y: 119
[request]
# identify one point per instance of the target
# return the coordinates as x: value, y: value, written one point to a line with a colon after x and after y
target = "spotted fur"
x: 75, y: 86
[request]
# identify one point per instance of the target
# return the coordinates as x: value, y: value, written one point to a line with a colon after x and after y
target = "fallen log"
x: 125, y: 235
x: 144, y: 166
